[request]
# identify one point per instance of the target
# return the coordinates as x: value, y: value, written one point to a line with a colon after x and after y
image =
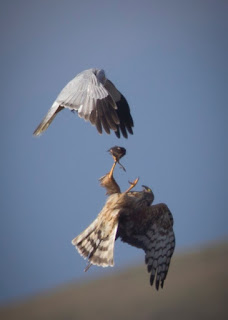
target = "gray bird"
x: 96, y: 99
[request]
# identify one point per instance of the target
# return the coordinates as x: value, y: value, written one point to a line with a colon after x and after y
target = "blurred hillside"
x: 196, y: 288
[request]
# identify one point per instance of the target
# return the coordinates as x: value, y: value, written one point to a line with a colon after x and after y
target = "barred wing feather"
x: 152, y: 230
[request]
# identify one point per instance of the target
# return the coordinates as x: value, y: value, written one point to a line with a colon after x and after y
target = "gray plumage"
x: 95, y: 99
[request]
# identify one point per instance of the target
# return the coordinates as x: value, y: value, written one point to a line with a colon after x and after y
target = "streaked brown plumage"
x: 130, y: 217
x: 151, y: 229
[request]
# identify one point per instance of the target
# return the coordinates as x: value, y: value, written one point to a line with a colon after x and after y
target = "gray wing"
x: 87, y: 95
x: 96, y: 100
x: 151, y: 229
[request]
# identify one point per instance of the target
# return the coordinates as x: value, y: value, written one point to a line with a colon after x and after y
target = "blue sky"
x: 169, y: 59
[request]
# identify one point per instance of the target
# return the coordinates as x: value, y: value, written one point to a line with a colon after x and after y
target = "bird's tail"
x: 96, y: 243
x: 55, y: 108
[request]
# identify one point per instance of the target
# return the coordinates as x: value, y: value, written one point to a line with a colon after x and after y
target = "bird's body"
x: 131, y: 217
x: 96, y: 99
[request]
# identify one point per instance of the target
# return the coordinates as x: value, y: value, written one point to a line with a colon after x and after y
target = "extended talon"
x: 110, y: 175
x: 109, y: 183
x: 132, y: 184
x: 120, y: 164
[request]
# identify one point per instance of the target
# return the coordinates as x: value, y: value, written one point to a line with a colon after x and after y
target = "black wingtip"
x: 117, y: 133
x: 151, y: 279
x: 149, y: 268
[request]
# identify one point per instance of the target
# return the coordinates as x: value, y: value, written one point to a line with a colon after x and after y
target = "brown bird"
x: 95, y: 99
x: 108, y: 181
x: 130, y: 217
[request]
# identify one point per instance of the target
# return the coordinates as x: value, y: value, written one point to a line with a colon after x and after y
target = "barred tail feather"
x: 55, y: 108
x: 79, y: 241
x: 96, y: 245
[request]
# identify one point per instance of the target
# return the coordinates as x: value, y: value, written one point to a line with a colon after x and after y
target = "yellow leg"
x: 132, y: 185
x: 112, y: 169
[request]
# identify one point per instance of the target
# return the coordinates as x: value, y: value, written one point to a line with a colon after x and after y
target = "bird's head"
x: 148, y: 194
x: 146, y: 189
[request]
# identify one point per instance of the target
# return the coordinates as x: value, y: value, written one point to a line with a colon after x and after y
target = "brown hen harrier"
x: 130, y: 217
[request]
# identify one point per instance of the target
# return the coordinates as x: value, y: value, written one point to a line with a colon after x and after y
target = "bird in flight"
x: 131, y: 217
x: 95, y: 99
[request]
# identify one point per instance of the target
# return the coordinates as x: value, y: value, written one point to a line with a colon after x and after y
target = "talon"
x: 132, y: 184
x: 114, y: 158
x: 112, y: 169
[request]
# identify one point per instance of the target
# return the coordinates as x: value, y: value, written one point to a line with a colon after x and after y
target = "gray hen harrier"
x: 96, y: 99
x: 130, y: 217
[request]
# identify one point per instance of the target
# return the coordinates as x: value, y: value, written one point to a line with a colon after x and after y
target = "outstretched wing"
x: 87, y: 95
x: 150, y: 229
x: 95, y: 99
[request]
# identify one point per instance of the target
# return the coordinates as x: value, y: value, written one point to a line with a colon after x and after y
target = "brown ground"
x: 196, y: 288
